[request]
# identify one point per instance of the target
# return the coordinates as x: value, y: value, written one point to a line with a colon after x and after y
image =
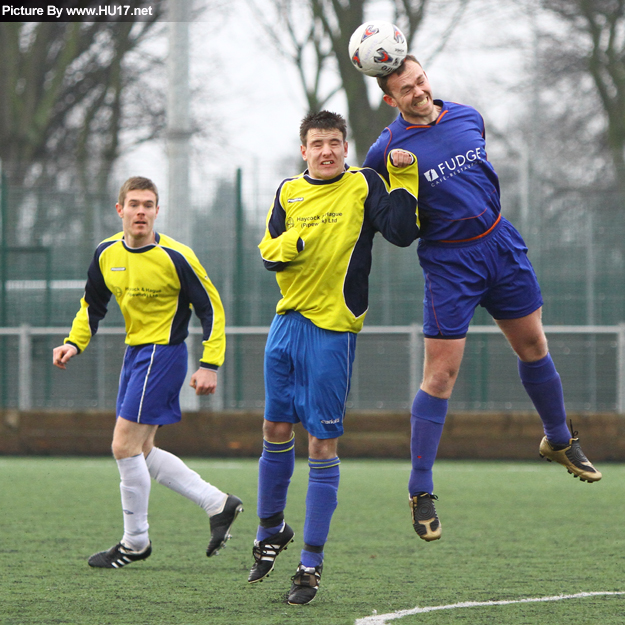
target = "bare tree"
x: 588, y: 55
x: 62, y: 87
x: 68, y: 90
x: 314, y: 36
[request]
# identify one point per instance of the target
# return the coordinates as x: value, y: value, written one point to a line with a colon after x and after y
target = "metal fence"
x: 577, y: 246
x: 387, y: 369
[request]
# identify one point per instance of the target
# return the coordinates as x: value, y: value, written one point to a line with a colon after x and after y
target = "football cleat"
x: 570, y: 456
x: 118, y: 556
x: 424, y: 518
x: 305, y: 584
x: 221, y: 524
x: 266, y: 551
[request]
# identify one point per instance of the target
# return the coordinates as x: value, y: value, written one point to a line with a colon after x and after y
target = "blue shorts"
x: 493, y: 272
x: 307, y: 374
x: 150, y: 383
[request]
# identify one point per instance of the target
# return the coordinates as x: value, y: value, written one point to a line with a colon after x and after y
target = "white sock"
x: 172, y: 472
x: 135, y: 490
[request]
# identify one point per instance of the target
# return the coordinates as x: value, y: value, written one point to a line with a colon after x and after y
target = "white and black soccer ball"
x: 377, y: 48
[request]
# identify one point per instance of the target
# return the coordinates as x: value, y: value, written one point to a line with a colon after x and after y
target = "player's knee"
x: 123, y: 449
x: 119, y: 451
x: 277, y: 431
x: 533, y: 349
x: 440, y: 383
x: 322, y: 448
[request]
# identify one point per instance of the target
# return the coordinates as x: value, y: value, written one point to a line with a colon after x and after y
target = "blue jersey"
x: 459, y: 197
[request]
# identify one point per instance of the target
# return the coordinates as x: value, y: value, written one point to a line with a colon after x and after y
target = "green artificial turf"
x: 510, y: 531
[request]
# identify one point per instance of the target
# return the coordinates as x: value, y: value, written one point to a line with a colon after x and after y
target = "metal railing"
x: 408, y: 364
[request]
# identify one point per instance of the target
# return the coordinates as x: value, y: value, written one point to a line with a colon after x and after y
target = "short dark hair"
x: 383, y: 80
x: 324, y: 120
x: 136, y: 183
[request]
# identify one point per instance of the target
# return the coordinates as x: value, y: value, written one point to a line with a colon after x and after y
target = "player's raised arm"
x: 401, y: 158
x: 279, y: 245
x: 394, y: 211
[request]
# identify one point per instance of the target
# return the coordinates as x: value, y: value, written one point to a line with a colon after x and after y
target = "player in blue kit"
x: 318, y: 240
x: 470, y: 256
x: 156, y: 282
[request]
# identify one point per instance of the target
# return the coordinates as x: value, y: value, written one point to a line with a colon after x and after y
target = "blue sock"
x: 543, y: 385
x: 275, y: 469
x: 426, y: 427
x: 321, y: 502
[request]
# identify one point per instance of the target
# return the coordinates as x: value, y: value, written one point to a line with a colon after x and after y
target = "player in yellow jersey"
x: 156, y: 282
x: 319, y: 237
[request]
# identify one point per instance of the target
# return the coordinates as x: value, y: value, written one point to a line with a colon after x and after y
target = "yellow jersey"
x: 319, y: 237
x: 156, y: 287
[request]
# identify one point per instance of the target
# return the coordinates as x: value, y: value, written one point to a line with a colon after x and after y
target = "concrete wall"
x: 368, y: 435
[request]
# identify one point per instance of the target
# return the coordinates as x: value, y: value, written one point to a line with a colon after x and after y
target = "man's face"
x: 412, y: 95
x: 138, y: 214
x: 325, y: 153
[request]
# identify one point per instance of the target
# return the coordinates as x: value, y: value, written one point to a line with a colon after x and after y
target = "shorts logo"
x: 431, y: 175
x: 330, y: 421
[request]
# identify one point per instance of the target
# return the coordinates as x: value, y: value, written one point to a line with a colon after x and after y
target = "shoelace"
x: 311, y: 572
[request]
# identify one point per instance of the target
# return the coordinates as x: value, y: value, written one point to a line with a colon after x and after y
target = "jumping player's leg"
x: 542, y: 383
x: 321, y: 497
x: 275, y: 469
x: 455, y: 279
x: 514, y: 300
x: 323, y: 368
x: 440, y: 371
x: 324, y: 382
x: 429, y: 409
x: 277, y: 460
x: 538, y: 373
x: 321, y: 502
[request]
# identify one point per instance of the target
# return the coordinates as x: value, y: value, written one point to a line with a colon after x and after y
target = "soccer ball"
x: 377, y: 48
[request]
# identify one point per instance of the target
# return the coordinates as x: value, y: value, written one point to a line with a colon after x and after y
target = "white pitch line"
x: 382, y: 619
